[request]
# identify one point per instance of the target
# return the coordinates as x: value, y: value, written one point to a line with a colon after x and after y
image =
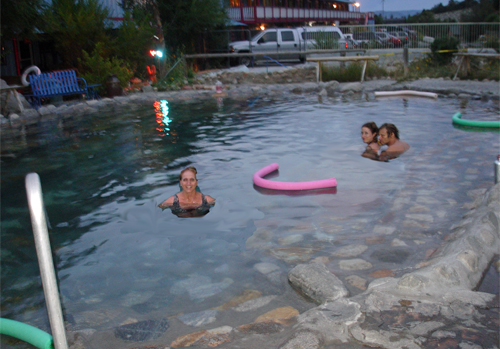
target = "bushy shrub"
x: 442, y: 50
x: 177, y: 74
x: 352, y: 72
x: 97, y: 67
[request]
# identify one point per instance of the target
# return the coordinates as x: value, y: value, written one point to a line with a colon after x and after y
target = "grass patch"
x: 480, y: 69
x: 352, y: 72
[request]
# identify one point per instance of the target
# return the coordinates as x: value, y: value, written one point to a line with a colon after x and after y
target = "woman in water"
x: 369, y: 134
x: 188, y: 202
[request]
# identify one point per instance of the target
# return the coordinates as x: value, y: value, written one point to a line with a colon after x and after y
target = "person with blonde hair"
x: 188, y: 202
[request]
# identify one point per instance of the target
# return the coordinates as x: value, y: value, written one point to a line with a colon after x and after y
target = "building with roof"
x: 266, y: 13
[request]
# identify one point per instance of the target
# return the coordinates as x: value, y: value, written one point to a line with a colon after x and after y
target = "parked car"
x: 366, y: 39
x: 403, y: 36
x: 324, y: 37
x: 277, y: 40
x: 272, y: 42
x: 388, y: 40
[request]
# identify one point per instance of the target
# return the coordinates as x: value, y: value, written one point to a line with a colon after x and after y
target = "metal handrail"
x: 45, y: 261
x: 275, y: 61
x: 165, y: 76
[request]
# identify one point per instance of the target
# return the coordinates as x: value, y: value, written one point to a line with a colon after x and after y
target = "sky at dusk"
x: 399, y: 5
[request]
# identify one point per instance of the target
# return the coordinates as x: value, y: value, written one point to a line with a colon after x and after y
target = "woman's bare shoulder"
x: 167, y: 203
x: 210, y: 199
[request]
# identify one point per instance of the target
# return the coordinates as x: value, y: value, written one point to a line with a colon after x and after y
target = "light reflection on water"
x: 103, y: 177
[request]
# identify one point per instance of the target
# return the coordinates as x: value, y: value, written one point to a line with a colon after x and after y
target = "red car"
x: 388, y: 40
x: 395, y: 41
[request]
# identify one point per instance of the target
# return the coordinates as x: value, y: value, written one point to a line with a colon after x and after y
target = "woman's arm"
x: 370, y: 154
x: 373, y: 146
x: 210, y: 199
x: 167, y: 203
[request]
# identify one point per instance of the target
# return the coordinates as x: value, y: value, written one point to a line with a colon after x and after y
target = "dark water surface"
x: 118, y: 254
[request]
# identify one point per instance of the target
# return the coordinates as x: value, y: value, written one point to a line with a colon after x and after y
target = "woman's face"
x: 189, y: 181
x: 367, y: 136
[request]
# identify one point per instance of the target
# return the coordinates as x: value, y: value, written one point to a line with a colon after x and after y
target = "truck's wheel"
x: 246, y: 61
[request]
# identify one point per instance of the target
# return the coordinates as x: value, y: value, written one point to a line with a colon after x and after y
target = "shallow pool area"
x: 120, y: 257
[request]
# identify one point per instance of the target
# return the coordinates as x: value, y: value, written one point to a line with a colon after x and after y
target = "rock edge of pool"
x: 445, y: 88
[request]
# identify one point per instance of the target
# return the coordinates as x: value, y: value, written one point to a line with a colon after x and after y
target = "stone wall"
x: 242, y: 75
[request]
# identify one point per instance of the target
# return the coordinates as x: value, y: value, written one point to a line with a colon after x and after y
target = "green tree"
x: 484, y: 11
x: 150, y: 9
x: 76, y: 25
x: 379, y: 19
x: 425, y: 16
x: 185, y: 20
x: 20, y: 18
x: 133, y: 41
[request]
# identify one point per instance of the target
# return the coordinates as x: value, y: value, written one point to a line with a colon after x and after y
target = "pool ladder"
x: 45, y: 261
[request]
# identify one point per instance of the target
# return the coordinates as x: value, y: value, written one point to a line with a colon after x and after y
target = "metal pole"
x: 405, y: 61
x: 45, y: 262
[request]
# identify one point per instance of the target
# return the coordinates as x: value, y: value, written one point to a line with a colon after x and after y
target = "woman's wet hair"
x: 372, y: 127
x: 190, y: 168
x: 391, y: 128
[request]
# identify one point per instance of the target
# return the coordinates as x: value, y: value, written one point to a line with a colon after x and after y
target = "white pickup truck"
x: 278, y: 40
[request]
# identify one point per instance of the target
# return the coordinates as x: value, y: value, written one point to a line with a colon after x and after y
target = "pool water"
x: 118, y: 256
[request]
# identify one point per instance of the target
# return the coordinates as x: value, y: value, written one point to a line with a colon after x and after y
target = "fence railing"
x: 470, y: 35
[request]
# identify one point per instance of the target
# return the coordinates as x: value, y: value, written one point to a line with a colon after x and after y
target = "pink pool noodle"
x: 264, y: 183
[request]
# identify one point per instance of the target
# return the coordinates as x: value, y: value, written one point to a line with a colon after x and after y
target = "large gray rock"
x: 352, y: 86
x: 332, y: 87
x: 331, y: 321
x: 317, y: 283
x: 10, y: 104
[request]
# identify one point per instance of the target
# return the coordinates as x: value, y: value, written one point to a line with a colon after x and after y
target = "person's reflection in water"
x: 188, y: 202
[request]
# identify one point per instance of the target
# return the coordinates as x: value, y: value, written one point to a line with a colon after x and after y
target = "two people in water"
x: 376, y: 138
x: 189, y: 202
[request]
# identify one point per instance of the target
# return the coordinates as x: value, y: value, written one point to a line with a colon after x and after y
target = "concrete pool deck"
x: 432, y: 307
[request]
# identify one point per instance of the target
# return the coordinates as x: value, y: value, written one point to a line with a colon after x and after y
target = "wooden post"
x: 364, y: 69
x: 459, y: 66
x: 467, y: 65
x: 405, y: 61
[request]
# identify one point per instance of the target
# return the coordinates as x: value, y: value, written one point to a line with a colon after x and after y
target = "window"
x: 320, y: 35
x: 234, y: 3
x: 287, y: 36
x: 269, y: 37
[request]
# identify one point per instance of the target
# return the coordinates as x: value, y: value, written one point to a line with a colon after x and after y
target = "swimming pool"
x: 119, y: 257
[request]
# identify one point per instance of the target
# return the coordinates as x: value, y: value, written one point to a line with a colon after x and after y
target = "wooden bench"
x: 58, y: 83
x: 341, y: 59
x: 465, y: 58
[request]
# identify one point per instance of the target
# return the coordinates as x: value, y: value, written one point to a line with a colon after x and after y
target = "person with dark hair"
x: 369, y: 134
x: 188, y: 202
x: 389, y: 135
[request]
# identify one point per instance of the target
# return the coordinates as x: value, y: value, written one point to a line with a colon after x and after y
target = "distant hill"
x: 397, y: 14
